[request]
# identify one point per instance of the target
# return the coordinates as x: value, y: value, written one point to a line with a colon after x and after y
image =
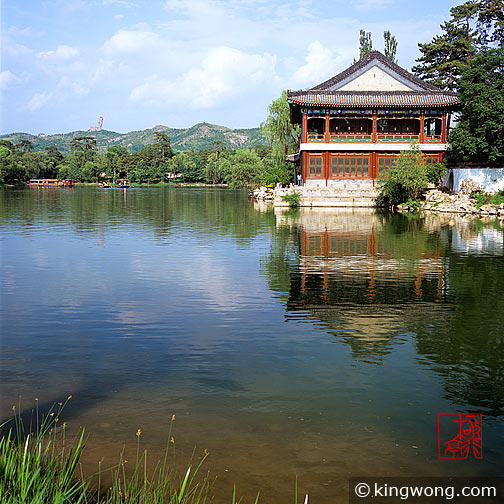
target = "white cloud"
x: 38, y: 100
x: 224, y: 73
x: 131, y: 41
x: 63, y: 53
x: 6, y: 79
x: 320, y: 65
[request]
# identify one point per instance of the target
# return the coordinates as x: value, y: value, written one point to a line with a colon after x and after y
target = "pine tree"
x: 445, y: 58
x: 390, y: 46
x: 491, y: 21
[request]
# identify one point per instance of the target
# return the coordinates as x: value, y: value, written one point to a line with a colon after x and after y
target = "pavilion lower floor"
x: 331, y: 165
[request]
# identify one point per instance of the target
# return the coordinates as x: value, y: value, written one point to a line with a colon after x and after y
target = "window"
x: 316, y: 166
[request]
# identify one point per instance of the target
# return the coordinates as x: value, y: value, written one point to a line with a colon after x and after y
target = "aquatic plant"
x: 39, y: 465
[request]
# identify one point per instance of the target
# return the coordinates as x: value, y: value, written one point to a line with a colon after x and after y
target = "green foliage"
x: 445, y: 58
x: 497, y: 199
x: 491, y: 21
x: 292, y: 198
x: 365, y: 43
x: 283, y: 136
x: 247, y: 170
x: 407, y: 181
x: 435, y: 172
x: 390, y: 46
x: 479, y: 135
x: 38, y: 464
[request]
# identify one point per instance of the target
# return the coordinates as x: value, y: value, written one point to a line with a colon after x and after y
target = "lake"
x: 313, y: 343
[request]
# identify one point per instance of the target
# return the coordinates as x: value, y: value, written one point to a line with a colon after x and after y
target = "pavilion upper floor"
x: 373, y: 126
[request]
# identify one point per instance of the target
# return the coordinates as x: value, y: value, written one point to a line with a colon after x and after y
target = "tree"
x: 479, y: 135
x: 283, y: 136
x: 10, y: 168
x: 490, y: 21
x: 365, y: 43
x: 25, y: 146
x: 246, y: 169
x: 445, y: 58
x: 163, y: 142
x: 83, y: 143
x: 390, y: 46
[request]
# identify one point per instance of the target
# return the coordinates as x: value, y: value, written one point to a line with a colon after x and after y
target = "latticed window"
x: 350, y: 166
x: 316, y: 166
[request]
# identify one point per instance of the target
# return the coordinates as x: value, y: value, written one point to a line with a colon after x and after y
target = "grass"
x: 40, y: 465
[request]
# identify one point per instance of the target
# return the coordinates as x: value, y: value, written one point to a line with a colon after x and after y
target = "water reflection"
x: 376, y: 281
x: 318, y: 343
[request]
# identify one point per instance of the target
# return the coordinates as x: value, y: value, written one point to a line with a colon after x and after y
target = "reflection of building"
x: 354, y: 125
x: 364, y: 279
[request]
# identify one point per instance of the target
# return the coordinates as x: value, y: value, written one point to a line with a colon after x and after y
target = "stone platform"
x: 339, y: 193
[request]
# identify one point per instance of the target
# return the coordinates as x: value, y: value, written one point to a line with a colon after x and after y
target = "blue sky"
x: 178, y: 62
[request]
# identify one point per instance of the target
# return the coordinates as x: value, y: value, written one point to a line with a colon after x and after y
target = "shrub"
x: 435, y: 172
x: 481, y: 198
x: 292, y: 198
x: 407, y: 181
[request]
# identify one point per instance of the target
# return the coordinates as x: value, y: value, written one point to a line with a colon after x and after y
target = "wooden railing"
x: 392, y: 137
x: 432, y: 139
x: 358, y: 137
x: 316, y: 137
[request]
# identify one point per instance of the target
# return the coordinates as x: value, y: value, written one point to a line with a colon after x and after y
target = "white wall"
x: 490, y: 179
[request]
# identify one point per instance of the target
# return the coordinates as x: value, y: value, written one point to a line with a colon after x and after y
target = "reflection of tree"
x: 388, y: 280
x: 159, y: 211
x: 467, y: 348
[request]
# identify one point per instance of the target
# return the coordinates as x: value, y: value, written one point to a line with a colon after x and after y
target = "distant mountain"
x: 200, y: 136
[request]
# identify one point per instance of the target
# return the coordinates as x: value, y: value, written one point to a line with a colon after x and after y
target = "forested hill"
x: 200, y: 136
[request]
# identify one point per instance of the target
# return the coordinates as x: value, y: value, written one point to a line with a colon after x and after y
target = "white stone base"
x: 337, y: 193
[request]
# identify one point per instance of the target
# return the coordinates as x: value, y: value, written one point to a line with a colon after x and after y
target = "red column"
x: 374, y: 137
x: 443, y: 131
x: 422, y: 126
x: 305, y: 127
x: 326, y: 133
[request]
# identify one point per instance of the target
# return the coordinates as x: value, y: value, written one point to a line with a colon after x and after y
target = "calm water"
x: 315, y: 343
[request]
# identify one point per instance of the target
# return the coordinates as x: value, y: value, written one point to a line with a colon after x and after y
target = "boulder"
x: 469, y: 185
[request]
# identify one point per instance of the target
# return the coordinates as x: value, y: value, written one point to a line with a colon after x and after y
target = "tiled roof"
x: 364, y: 61
x: 313, y: 97
x: 328, y: 93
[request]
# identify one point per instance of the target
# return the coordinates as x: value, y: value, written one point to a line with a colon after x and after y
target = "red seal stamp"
x: 460, y: 436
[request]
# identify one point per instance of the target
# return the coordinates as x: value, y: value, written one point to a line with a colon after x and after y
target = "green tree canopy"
x: 491, y: 21
x: 479, y: 135
x: 365, y: 43
x: 283, y: 135
x: 390, y: 46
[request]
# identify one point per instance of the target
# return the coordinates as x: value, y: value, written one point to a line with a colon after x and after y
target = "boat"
x: 104, y: 185
x: 123, y: 183
x: 51, y: 182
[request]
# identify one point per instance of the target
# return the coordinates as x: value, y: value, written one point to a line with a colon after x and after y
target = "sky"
x: 143, y: 63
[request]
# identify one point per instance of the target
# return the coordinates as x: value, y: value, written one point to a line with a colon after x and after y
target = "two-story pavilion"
x: 354, y: 125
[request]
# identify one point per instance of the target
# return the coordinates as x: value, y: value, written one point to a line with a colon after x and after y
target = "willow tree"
x: 282, y: 134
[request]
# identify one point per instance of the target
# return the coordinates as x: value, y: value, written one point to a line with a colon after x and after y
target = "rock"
x: 469, y: 185
x: 485, y: 208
